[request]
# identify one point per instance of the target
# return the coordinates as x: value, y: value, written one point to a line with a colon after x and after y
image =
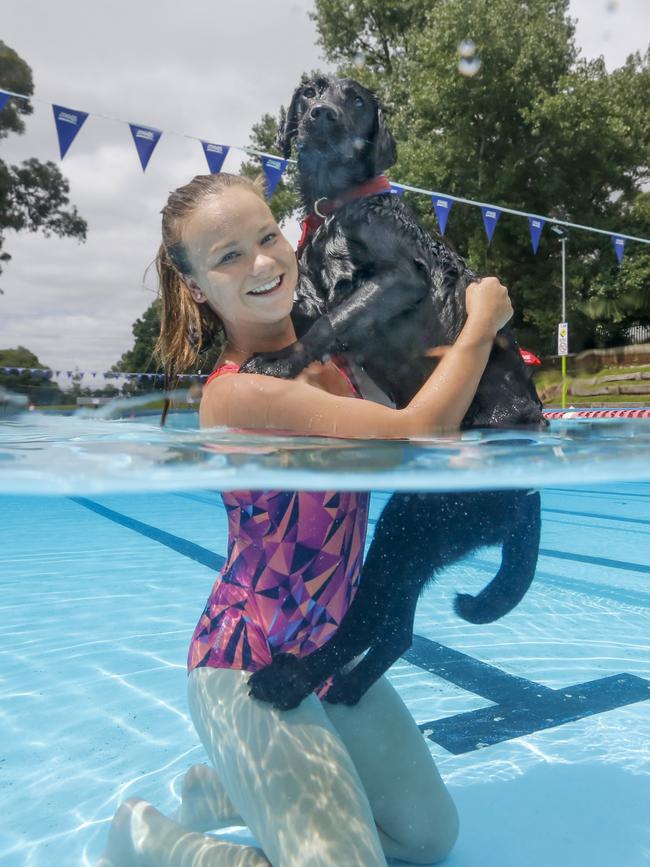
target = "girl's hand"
x: 488, y: 305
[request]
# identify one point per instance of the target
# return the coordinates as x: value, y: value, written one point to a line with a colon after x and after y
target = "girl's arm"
x: 264, y: 402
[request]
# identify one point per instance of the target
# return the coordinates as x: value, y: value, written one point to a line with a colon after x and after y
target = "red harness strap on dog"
x: 325, y: 207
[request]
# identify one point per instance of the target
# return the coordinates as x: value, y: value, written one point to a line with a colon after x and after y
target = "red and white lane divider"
x: 597, y: 413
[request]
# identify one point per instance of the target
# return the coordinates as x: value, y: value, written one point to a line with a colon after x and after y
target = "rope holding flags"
x: 48, y: 373
x: 69, y: 121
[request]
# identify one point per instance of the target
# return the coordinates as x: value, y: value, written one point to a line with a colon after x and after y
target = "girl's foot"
x: 204, y: 803
x: 134, y: 822
x: 140, y: 836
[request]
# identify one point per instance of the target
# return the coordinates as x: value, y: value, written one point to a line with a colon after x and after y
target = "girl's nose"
x: 262, y: 264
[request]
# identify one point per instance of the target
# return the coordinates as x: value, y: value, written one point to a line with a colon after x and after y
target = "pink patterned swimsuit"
x: 292, y: 570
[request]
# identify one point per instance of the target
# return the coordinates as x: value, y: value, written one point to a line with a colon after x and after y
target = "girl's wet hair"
x: 187, y: 328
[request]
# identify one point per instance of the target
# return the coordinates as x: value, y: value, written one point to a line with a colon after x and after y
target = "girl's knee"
x: 434, y: 839
x: 441, y: 841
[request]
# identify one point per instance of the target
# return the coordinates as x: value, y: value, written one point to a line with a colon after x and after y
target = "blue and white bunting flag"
x: 4, y: 99
x: 619, y: 246
x: 399, y: 191
x: 145, y: 139
x: 273, y: 169
x: 536, y: 225
x: 490, y: 219
x: 215, y: 154
x: 68, y: 122
x: 442, y: 207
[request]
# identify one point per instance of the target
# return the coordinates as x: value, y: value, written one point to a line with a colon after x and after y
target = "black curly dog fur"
x: 374, y: 284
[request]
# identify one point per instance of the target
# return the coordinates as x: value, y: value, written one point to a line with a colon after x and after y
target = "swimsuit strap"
x: 227, y: 367
x: 339, y: 361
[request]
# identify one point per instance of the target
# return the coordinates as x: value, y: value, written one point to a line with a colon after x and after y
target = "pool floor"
x: 539, y: 723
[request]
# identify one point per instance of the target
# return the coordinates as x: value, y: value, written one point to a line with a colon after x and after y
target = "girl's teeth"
x: 265, y: 288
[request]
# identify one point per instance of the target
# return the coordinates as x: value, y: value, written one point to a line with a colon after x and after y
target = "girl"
x: 322, y: 785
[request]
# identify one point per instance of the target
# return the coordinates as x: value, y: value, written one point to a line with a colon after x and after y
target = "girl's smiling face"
x: 241, y: 264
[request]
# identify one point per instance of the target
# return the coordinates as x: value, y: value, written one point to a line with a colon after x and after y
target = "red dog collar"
x: 324, y: 207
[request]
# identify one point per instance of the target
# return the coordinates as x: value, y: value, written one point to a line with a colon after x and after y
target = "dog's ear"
x: 288, y: 126
x: 385, y: 146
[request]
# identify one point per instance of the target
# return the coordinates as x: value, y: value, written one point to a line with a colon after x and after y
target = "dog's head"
x: 339, y: 122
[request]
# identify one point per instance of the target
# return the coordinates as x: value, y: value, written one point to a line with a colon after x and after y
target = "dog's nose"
x: 324, y: 113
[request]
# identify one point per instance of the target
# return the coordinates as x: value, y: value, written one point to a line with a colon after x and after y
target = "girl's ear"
x: 194, y: 289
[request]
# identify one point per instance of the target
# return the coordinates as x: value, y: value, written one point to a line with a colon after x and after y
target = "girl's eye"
x: 270, y: 237
x: 228, y: 257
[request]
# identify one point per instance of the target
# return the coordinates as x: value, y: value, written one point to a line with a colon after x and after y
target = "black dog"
x: 375, y: 285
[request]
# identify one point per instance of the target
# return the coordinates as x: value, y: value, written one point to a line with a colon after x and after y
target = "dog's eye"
x: 358, y: 102
x: 309, y: 92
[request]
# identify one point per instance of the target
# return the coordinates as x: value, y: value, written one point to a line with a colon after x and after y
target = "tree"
x: 20, y: 379
x: 34, y: 195
x: 521, y: 121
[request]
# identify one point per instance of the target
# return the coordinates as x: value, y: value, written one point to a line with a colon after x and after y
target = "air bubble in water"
x: 467, y: 48
x: 469, y: 66
x: 359, y: 58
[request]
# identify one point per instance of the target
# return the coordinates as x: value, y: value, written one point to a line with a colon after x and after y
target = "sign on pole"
x: 563, y: 338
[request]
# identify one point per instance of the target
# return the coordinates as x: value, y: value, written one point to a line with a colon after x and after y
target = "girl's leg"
x: 287, y: 773
x: 140, y: 836
x: 415, y: 815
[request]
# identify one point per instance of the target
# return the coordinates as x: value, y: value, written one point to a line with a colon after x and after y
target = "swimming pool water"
x: 539, y: 723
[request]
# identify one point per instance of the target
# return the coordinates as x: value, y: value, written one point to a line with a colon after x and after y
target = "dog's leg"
x: 346, y: 326
x: 395, y: 639
x: 289, y: 679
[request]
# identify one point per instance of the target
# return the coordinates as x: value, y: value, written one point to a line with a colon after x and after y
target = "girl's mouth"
x: 267, y: 288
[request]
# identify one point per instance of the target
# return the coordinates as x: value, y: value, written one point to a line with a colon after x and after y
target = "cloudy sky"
x: 199, y: 68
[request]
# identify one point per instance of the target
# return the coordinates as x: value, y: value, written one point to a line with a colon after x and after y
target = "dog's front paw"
x: 283, y: 683
x: 285, y: 364
x: 344, y: 690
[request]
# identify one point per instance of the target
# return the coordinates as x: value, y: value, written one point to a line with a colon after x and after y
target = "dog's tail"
x: 518, y: 563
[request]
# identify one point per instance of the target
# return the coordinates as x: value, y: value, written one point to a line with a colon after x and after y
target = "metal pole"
x: 564, y: 377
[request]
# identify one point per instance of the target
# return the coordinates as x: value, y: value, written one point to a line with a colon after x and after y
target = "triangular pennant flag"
x: 442, y: 207
x: 399, y: 191
x: 273, y: 169
x: 490, y: 219
x: 536, y: 226
x: 4, y: 99
x: 145, y: 140
x: 215, y: 154
x: 619, y: 246
x: 68, y: 122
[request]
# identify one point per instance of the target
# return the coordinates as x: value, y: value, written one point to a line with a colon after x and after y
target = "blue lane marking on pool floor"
x: 521, y: 706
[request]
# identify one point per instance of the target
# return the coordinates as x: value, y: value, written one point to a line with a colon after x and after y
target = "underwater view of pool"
x: 113, y: 531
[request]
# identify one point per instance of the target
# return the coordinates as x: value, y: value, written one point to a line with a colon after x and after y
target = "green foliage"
x: 536, y: 128
x: 36, y: 387
x: 34, y: 195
